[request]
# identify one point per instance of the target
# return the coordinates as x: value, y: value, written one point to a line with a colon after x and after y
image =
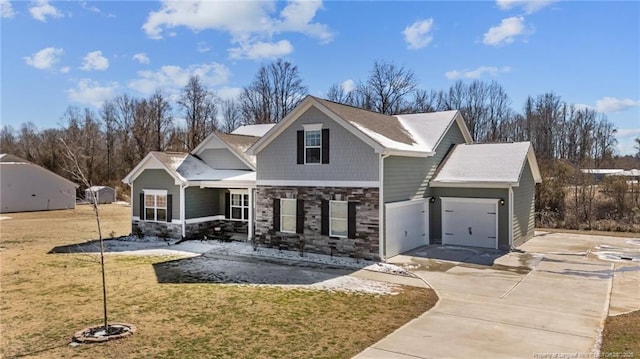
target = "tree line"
x: 111, y: 140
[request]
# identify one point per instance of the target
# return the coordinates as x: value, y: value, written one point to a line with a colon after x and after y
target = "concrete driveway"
x: 549, y: 299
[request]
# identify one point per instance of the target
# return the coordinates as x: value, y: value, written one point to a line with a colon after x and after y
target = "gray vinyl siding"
x: 408, y: 178
x: 524, y: 207
x: 435, y: 210
x: 203, y: 202
x: 156, y: 179
x: 350, y: 159
x: 223, y: 159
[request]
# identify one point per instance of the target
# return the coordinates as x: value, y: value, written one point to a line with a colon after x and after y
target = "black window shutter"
x: 351, y: 220
x: 142, y: 211
x: 300, y: 147
x: 325, y: 145
x: 276, y: 214
x: 227, y: 205
x: 300, y: 216
x: 324, y: 220
x: 169, y: 207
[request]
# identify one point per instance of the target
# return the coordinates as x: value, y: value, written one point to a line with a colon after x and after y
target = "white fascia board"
x: 143, y: 165
x: 276, y: 130
x: 473, y: 184
x: 533, y: 162
x: 202, y: 146
x: 422, y: 154
x: 296, y: 113
x: 224, y: 184
x: 295, y: 183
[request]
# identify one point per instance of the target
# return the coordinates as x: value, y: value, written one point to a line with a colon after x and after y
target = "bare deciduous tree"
x: 230, y: 115
x: 275, y: 91
x: 199, y: 106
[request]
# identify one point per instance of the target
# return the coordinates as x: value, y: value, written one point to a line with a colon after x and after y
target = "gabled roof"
x: 237, y: 144
x: 486, y: 165
x: 9, y: 159
x: 398, y: 135
x: 240, y: 144
x: 168, y: 161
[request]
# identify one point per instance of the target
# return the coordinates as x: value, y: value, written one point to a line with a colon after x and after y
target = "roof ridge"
x: 352, y: 106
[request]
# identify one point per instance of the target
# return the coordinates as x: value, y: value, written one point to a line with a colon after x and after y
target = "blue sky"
x: 57, y: 54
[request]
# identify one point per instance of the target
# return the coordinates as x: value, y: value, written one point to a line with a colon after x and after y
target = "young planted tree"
x: 74, y: 168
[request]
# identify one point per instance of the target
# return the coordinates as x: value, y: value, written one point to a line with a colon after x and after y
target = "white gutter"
x: 381, y: 237
x: 510, y: 217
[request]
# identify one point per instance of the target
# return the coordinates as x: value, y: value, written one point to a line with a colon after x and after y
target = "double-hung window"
x: 239, y: 206
x: 338, y: 218
x: 312, y: 146
x: 288, y: 215
x: 155, y: 205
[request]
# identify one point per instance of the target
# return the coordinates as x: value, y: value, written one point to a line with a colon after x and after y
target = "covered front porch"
x: 220, y: 208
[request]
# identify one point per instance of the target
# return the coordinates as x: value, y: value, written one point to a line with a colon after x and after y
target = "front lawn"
x: 45, y: 298
x: 621, y: 336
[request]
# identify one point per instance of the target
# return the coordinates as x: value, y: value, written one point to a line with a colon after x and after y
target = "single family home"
x: 336, y: 179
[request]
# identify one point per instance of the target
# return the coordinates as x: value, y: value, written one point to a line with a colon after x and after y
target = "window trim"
x: 318, y: 147
x: 155, y: 193
x: 345, y: 219
x: 294, y: 215
x: 244, y: 195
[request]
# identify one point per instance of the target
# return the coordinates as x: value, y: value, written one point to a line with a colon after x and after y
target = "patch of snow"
x: 253, y: 130
x: 2, y: 218
x: 630, y: 241
x: 354, y: 285
x: 389, y: 269
x: 389, y: 143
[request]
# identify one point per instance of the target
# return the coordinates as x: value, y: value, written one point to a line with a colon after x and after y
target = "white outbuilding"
x: 104, y: 194
x: 26, y: 187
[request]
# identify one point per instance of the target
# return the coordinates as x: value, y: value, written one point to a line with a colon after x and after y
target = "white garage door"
x: 470, y: 222
x: 406, y: 226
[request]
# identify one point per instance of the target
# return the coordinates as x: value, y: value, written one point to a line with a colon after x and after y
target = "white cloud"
x: 418, y: 35
x: 229, y: 93
x: 45, y: 58
x: 476, y: 73
x: 506, y: 32
x: 41, y: 9
x: 612, y: 104
x: 261, y: 50
x: 95, y: 61
x: 172, y: 78
x: 91, y: 92
x: 6, y: 10
x: 141, y: 57
x: 582, y: 106
x: 628, y: 132
x: 65, y: 70
x: 203, y: 47
x: 348, y: 86
x: 251, y: 24
x: 530, y: 6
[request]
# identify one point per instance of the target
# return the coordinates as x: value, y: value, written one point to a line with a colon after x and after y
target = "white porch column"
x: 251, y: 209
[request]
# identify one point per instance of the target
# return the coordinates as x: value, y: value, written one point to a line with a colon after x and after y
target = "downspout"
x: 511, y: 217
x: 183, y: 220
x: 382, y: 244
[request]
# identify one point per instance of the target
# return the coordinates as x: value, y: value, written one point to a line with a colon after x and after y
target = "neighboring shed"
x: 26, y: 187
x: 104, y: 194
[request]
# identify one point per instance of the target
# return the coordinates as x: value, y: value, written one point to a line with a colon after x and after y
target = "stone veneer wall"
x: 194, y: 230
x: 365, y: 245
x: 157, y: 229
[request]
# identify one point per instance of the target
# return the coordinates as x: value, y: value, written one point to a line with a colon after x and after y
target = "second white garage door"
x: 406, y: 226
x: 470, y: 222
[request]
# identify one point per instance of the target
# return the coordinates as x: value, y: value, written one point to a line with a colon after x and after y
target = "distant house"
x: 104, y: 194
x: 598, y: 174
x: 26, y: 187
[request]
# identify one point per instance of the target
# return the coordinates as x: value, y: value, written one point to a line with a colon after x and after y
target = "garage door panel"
x: 469, y: 223
x: 406, y: 226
